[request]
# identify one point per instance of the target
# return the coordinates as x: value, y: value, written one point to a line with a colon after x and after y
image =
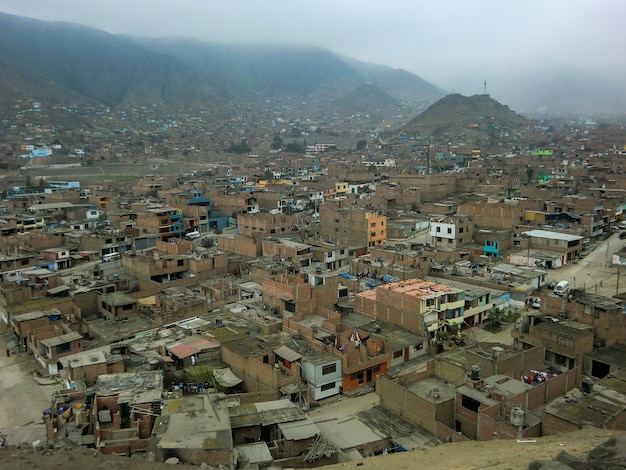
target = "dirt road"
x: 22, y: 400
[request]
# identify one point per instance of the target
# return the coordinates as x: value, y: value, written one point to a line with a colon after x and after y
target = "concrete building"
x: 450, y: 232
x: 417, y: 305
x: 566, y: 341
x: 344, y: 223
x: 599, y: 404
x: 321, y: 372
x: 50, y: 343
x: 116, y: 305
x: 194, y: 429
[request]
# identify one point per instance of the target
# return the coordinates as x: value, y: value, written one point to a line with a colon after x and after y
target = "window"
x: 328, y: 386
x: 290, y: 306
x: 460, y: 229
x: 438, y: 229
x: 470, y: 403
x: 64, y: 348
x: 329, y: 368
x: 373, y: 224
x: 180, y: 262
x: 376, y: 368
x: 357, y: 376
x: 127, y: 307
x: 449, y: 230
x: 397, y: 354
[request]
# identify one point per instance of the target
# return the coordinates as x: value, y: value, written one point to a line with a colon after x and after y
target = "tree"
x: 530, y: 171
x: 277, y: 143
x: 361, y: 145
x: 497, y: 317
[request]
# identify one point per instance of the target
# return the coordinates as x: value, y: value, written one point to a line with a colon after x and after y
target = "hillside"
x: 367, y: 99
x: 61, y: 61
x: 64, y: 62
x: 458, y: 115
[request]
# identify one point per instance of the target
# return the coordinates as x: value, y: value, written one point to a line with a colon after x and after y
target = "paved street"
x: 594, y: 272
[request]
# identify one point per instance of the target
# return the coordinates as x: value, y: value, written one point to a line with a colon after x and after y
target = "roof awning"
x: 299, y: 430
x: 287, y: 353
x: 226, y: 377
x: 58, y: 290
x: 181, y: 350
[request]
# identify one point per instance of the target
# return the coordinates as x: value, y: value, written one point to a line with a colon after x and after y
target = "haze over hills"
x: 66, y: 62
x: 71, y: 61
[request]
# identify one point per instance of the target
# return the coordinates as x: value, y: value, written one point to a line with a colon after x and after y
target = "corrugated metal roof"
x: 264, y: 414
x: 181, y: 350
x: 257, y: 453
x: 299, y: 430
x: 226, y: 377
x: 287, y: 353
x: 62, y: 339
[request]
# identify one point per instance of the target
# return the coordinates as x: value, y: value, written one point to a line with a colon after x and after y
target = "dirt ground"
x: 492, y: 455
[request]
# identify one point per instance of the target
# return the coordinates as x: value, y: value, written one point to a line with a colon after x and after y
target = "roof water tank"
x: 475, y: 373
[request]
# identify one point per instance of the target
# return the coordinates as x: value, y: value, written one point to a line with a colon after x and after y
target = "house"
x: 414, y: 304
x: 599, y: 404
x: 116, y: 305
x: 59, y: 258
x: 25, y: 322
x: 566, y: 341
x: 49, y: 343
x: 344, y: 223
x: 426, y: 402
x: 450, y: 232
x: 81, y: 370
x: 195, y: 429
x: 321, y: 372
x: 124, y: 409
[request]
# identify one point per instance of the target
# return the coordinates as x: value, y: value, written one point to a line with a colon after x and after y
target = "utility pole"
x: 617, y: 284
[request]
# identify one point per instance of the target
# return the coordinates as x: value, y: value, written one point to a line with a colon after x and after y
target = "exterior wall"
x: 496, y: 216
x: 241, y: 244
x: 413, y: 408
x: 313, y: 373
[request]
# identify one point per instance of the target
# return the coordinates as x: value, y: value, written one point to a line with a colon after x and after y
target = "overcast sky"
x: 455, y: 44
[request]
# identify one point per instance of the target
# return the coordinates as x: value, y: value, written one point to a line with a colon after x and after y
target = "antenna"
x: 485, y: 88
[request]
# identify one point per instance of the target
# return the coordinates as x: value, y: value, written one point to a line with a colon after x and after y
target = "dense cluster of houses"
x: 200, y: 318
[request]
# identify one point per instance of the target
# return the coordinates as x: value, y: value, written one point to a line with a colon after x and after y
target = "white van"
x: 192, y: 235
x: 111, y: 256
x: 561, y: 288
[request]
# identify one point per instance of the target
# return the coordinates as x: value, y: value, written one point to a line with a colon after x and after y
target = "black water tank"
x: 587, y: 385
x: 475, y: 373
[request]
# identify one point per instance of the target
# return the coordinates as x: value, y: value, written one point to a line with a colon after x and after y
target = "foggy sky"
x: 454, y: 44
